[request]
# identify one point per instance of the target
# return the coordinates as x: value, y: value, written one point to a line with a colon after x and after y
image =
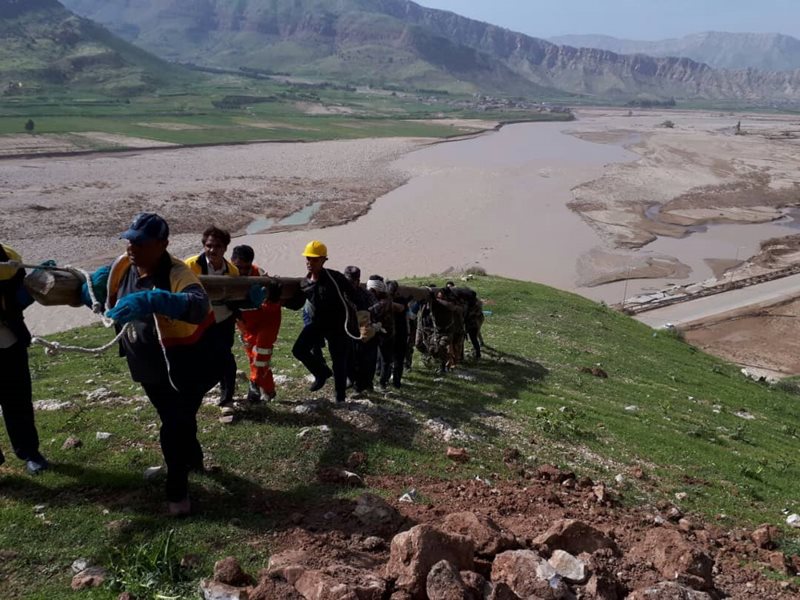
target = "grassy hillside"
x: 44, y: 45
x: 665, y: 407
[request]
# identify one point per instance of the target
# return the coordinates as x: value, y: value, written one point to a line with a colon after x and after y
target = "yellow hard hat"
x: 315, y: 249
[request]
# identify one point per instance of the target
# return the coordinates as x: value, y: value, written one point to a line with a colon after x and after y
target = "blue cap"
x: 146, y: 227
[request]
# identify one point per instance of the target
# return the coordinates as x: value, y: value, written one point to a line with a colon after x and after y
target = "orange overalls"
x: 259, y: 328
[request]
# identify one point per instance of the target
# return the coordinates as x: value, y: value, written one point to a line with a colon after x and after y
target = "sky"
x: 631, y: 19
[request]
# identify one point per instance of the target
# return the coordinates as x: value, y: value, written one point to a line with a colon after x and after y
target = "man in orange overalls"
x: 259, y: 327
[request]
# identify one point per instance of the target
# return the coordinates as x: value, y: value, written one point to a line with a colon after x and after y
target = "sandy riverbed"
x: 565, y: 204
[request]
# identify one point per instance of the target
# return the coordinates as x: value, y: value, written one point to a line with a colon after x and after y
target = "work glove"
x: 256, y: 295
x: 99, y: 285
x: 137, y: 306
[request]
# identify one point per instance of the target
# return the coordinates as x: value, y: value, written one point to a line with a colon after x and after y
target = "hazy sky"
x: 633, y: 19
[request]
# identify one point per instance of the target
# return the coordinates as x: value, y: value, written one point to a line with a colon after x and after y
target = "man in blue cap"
x: 165, y: 345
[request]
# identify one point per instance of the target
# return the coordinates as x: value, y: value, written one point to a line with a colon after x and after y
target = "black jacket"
x: 331, y: 302
x: 10, y: 306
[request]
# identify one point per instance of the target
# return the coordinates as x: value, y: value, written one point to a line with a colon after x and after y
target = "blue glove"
x: 99, y: 284
x: 256, y: 295
x: 137, y: 306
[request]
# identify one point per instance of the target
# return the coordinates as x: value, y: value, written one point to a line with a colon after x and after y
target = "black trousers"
x: 400, y: 356
x: 305, y: 350
x: 365, y: 357
x: 223, y: 334
x: 17, y: 402
x: 182, y: 451
x: 385, y: 357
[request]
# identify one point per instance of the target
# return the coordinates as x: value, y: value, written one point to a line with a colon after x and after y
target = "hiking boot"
x: 253, y: 394
x: 319, y: 382
x: 36, y: 463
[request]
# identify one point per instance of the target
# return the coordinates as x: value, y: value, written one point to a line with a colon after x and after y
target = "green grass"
x: 684, y: 434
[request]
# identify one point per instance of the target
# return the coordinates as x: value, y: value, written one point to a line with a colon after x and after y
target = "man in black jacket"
x: 332, y: 318
x: 15, y: 394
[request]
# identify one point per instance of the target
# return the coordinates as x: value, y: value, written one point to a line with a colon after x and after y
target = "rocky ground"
x: 548, y: 535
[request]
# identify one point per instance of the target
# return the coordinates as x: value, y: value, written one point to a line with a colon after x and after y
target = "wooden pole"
x: 58, y: 288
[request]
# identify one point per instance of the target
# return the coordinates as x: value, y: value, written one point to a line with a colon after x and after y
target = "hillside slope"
x: 666, y: 420
x: 401, y: 42
x: 46, y: 45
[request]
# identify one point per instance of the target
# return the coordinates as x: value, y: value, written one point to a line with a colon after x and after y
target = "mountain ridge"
x: 402, y: 43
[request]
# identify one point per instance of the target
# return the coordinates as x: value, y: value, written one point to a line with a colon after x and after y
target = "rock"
x: 765, y: 536
x: 79, y: 564
x: 340, y: 477
x: 779, y: 562
x: 71, y: 443
x: 517, y: 569
x: 501, y: 591
x: 476, y: 584
x: 91, y: 577
x: 373, y: 544
x: 511, y: 455
x: 675, y: 558
x: 457, y: 454
x: 119, y: 526
x: 51, y: 405
x: 227, y: 419
x: 102, y: 435
x: 375, y: 513
x: 595, y: 372
x: 414, y: 552
x: 340, y: 582
x: 553, y: 473
x: 686, y: 525
x: 270, y: 589
x: 214, y: 590
x: 356, y: 460
x: 488, y: 537
x: 575, y: 537
x: 793, y: 520
x: 604, y: 587
x: 568, y: 567
x: 289, y: 565
x: 125, y: 596
x: 101, y: 394
x: 153, y: 472
x: 668, y: 590
x: 229, y: 571
x: 444, y: 583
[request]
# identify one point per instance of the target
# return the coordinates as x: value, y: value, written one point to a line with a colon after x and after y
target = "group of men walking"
x: 178, y: 344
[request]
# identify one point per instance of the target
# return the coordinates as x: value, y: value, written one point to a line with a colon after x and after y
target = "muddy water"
x: 498, y: 200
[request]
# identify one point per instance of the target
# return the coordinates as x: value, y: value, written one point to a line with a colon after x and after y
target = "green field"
x: 219, y: 109
x: 684, y: 433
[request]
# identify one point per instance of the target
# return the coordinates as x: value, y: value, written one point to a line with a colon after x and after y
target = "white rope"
x: 54, y: 348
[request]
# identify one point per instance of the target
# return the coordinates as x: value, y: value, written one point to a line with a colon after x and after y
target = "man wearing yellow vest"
x: 166, y: 345
x: 15, y: 393
x: 212, y: 261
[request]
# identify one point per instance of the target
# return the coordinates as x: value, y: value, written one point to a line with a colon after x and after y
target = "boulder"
x: 340, y: 582
x: 444, y: 582
x: 414, y: 552
x: 604, y: 587
x: 675, y: 558
x: 460, y: 455
x: 90, y: 577
x: 214, y: 590
x: 668, y: 590
x: 568, y: 567
x: 517, y: 569
x: 476, y: 584
x: 288, y: 565
x: 501, y: 591
x: 489, y: 538
x: 575, y: 537
x: 765, y: 536
x: 376, y: 514
x: 230, y: 572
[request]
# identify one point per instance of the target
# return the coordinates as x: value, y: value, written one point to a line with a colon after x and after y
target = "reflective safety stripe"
x: 263, y: 351
x: 261, y: 363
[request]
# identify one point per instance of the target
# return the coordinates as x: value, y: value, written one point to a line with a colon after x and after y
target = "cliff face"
x: 763, y: 51
x: 403, y: 42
